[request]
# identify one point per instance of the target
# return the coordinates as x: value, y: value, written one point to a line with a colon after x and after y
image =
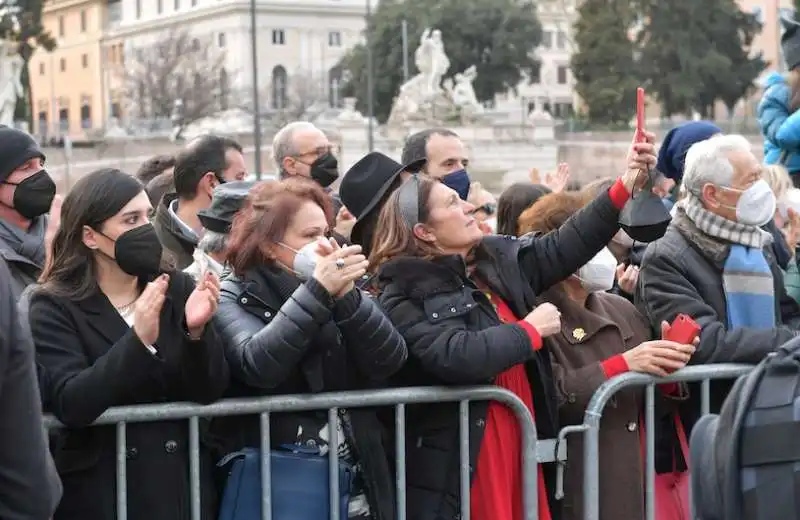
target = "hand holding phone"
x: 684, y: 330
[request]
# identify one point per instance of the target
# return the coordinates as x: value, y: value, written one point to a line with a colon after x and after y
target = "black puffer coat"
x: 455, y: 337
x: 285, y: 337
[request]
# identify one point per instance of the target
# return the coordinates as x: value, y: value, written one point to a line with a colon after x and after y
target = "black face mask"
x: 325, y: 170
x: 138, y: 251
x: 645, y: 218
x: 34, y: 195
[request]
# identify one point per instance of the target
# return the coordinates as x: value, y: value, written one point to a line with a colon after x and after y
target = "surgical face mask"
x: 34, y: 195
x: 599, y: 273
x: 305, y: 260
x: 459, y: 182
x: 756, y: 204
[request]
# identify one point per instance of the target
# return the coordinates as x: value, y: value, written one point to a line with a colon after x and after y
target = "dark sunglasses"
x: 488, y: 208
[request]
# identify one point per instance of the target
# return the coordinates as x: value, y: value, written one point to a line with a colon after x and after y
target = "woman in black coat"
x: 467, y: 307
x: 113, y: 328
x: 292, y: 322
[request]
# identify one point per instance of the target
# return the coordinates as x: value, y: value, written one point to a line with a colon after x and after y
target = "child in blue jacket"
x: 778, y: 116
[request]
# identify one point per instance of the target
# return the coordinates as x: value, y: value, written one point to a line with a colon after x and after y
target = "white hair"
x: 213, y: 243
x: 708, y: 162
x: 283, y: 142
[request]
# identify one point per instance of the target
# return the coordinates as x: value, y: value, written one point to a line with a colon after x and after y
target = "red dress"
x: 496, y: 492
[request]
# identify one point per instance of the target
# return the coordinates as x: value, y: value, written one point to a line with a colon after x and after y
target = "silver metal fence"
x: 594, y: 413
x: 534, y: 451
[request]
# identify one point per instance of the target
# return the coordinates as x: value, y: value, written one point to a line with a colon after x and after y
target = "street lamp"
x: 370, y: 82
x: 256, y: 110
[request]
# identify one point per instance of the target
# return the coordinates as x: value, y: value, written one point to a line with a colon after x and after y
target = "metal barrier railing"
x: 594, y: 413
x: 534, y: 451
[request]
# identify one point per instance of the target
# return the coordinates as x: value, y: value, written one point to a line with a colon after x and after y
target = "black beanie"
x: 790, y: 42
x: 16, y: 148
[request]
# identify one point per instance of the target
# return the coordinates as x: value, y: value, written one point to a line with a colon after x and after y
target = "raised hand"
x: 641, y: 159
x: 338, y: 267
x: 147, y: 311
x: 558, y: 181
x: 202, y: 304
x: 627, y: 277
x: 344, y: 222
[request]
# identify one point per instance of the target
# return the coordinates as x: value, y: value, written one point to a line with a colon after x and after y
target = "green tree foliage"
x: 21, y: 22
x: 695, y: 53
x: 498, y: 36
x: 604, y: 68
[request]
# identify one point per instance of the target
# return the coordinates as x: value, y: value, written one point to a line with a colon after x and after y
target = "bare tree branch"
x: 178, y: 66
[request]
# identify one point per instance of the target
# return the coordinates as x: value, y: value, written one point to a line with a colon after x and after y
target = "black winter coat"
x: 455, y: 337
x: 285, y: 337
x: 93, y: 361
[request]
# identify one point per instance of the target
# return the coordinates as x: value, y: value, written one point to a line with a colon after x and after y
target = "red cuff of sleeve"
x: 533, y: 334
x: 670, y: 388
x: 614, y: 366
x: 619, y: 194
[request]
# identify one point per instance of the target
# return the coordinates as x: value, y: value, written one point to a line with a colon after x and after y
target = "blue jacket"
x: 780, y: 128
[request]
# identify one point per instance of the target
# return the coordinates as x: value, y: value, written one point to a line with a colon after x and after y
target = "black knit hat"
x: 790, y: 42
x: 16, y: 148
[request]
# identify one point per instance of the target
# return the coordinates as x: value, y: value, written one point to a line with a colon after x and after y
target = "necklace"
x: 127, y: 308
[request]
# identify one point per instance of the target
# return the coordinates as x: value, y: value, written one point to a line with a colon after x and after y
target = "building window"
x: 547, y: 39
x: 278, y: 37
x: 63, y: 119
x: 41, y: 69
x: 116, y: 110
x: 83, y: 21
x: 562, y: 75
x: 536, y: 76
x: 221, y: 39
x: 279, y: 81
x: 223, y: 89
x: 63, y: 64
x: 86, y: 113
x: 85, y: 60
x: 335, y: 87
x: 195, y: 44
x: 43, y: 126
x: 561, y: 39
x: 177, y: 4
x: 61, y: 26
x: 138, y: 9
x: 194, y: 3
x: 334, y: 39
x: 159, y: 6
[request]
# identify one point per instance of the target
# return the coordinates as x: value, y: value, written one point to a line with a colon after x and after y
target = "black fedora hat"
x: 367, y: 181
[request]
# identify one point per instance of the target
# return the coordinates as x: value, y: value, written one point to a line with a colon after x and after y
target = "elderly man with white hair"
x: 715, y: 263
x: 300, y: 148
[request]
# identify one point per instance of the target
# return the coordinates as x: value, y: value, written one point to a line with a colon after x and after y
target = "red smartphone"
x: 684, y: 330
x: 640, y: 115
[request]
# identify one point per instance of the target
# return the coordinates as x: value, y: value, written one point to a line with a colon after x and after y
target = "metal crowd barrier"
x: 594, y: 413
x: 534, y: 451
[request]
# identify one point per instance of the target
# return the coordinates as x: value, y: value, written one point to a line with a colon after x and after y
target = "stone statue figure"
x: 420, y: 96
x: 463, y: 94
x: 11, y: 64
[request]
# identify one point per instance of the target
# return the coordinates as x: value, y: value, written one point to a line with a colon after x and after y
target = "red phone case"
x: 639, y: 114
x: 684, y: 330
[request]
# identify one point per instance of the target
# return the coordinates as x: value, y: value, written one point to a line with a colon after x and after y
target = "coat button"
x: 452, y: 309
x: 631, y: 426
x: 435, y: 314
x: 131, y: 453
x: 571, y: 398
x: 170, y: 446
x: 267, y: 314
x: 480, y: 423
x: 244, y: 300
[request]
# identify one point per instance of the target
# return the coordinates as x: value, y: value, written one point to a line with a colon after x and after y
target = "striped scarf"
x: 746, y: 276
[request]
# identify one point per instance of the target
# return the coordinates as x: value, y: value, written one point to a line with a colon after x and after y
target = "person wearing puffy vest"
x: 777, y: 112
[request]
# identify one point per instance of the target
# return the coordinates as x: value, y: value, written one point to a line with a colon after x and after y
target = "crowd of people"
x: 187, y: 282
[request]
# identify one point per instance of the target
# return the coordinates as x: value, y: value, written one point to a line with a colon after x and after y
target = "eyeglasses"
x: 488, y: 208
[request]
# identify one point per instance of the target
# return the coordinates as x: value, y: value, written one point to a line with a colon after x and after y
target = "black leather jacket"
x: 285, y: 337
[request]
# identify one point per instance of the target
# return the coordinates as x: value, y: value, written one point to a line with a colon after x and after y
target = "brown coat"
x: 609, y: 325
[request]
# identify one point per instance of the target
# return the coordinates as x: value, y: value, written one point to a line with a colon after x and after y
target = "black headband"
x: 408, y: 201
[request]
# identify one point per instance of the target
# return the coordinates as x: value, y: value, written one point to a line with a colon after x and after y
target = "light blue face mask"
x: 459, y: 182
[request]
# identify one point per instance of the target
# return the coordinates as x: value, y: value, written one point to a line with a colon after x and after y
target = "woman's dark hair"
x: 394, y: 237
x: 70, y: 270
x: 265, y: 216
x: 513, y: 201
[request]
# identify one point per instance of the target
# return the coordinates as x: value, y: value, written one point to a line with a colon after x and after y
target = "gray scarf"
x: 28, y: 245
x: 722, y: 228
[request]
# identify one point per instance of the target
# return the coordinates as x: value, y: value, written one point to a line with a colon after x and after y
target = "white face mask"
x: 305, y: 260
x: 598, y: 275
x: 492, y: 223
x: 756, y: 205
